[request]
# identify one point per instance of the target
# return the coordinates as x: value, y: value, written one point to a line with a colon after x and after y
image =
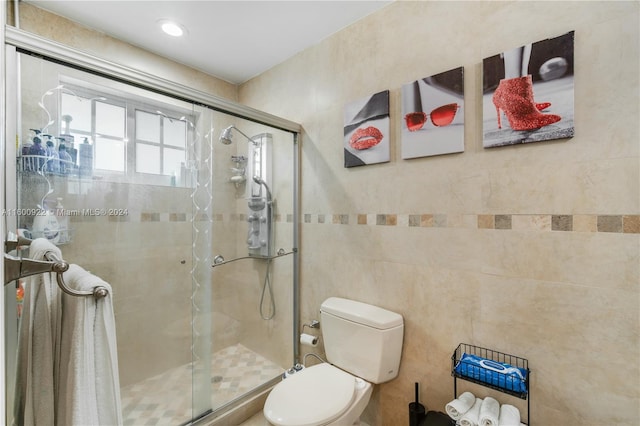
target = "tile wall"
x: 532, y: 250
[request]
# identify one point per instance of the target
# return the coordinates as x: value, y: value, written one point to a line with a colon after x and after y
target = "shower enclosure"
x: 127, y: 174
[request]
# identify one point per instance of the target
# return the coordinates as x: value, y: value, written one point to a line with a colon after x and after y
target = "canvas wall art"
x: 366, y: 130
x: 433, y: 115
x: 528, y: 93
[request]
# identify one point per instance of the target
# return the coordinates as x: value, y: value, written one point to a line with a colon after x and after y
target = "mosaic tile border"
x: 90, y: 215
x: 624, y: 224
x: 627, y: 224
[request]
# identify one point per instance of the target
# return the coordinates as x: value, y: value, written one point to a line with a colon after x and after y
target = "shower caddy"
x: 479, y: 372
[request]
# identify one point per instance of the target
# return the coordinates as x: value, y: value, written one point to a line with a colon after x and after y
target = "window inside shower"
x: 127, y: 135
x: 147, y: 205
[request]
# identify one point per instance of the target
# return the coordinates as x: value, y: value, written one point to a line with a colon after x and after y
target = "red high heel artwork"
x: 514, y: 97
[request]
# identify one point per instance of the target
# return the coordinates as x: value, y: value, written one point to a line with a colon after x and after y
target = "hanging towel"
x: 89, y: 387
x: 39, y: 326
x: 456, y: 408
x: 509, y: 415
x: 489, y: 412
x: 472, y: 417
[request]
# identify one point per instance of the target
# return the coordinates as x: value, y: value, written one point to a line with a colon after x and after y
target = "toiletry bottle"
x: 53, y: 163
x: 37, y: 149
x: 66, y: 165
x: 63, y: 223
x: 86, y: 158
x: 69, y: 139
x: 25, y: 148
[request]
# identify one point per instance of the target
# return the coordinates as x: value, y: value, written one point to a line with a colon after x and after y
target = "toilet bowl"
x: 363, y: 344
x: 317, y: 396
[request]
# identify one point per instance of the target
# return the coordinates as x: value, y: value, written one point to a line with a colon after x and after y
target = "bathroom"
x: 488, y: 265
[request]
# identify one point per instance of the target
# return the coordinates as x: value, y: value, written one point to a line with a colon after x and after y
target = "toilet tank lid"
x: 361, y: 313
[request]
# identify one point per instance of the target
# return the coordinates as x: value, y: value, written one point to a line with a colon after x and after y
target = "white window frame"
x: 132, y: 104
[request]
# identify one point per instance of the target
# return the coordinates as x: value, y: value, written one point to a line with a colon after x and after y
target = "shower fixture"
x: 238, y: 172
x: 259, y: 181
x: 226, y: 136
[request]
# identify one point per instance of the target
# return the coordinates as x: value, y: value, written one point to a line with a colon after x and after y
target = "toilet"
x: 363, y: 344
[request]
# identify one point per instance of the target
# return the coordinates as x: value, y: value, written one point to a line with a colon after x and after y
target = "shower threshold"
x: 165, y: 399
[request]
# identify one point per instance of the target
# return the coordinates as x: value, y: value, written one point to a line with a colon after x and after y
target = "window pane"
x: 110, y: 120
x: 175, y: 133
x: 79, y: 109
x: 147, y: 159
x: 172, y: 160
x: 109, y: 154
x: 147, y: 127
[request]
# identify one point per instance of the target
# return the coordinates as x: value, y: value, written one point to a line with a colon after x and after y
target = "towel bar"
x: 219, y: 260
x: 15, y: 268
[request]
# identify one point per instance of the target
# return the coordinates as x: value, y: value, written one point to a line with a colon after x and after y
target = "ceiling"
x: 232, y: 40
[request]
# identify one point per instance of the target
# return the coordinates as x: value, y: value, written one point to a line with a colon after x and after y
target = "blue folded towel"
x: 499, y: 374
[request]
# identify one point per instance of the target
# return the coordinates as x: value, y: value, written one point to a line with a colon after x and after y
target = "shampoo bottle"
x: 86, y: 158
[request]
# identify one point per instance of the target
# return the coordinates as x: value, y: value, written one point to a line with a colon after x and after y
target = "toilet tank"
x: 362, y: 339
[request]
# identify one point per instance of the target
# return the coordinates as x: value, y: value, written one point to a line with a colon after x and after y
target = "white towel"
x: 472, y: 417
x: 456, y: 408
x: 509, y: 415
x: 35, y: 386
x: 89, y: 386
x: 489, y: 412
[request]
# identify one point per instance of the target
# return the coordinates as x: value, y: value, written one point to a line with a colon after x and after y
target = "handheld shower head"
x: 226, y: 136
x: 259, y: 181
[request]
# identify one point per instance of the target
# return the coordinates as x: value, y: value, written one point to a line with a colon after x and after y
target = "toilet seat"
x: 311, y: 397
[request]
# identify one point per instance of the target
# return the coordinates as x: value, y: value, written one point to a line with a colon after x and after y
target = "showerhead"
x: 259, y: 181
x: 225, y: 136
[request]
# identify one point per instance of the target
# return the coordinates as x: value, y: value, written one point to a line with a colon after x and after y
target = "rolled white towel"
x: 509, y: 415
x: 471, y: 417
x: 489, y: 412
x: 456, y: 408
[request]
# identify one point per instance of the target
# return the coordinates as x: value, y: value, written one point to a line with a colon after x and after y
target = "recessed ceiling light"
x: 172, y: 28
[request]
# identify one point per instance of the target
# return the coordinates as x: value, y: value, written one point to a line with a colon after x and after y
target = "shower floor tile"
x: 165, y: 399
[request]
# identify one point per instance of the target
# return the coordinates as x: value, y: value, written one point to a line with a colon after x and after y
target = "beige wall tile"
x: 508, y: 280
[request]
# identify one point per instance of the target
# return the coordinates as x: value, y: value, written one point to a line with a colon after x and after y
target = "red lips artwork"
x: 365, y: 138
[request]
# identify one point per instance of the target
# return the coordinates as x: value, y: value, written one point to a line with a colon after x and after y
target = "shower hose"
x: 267, y: 286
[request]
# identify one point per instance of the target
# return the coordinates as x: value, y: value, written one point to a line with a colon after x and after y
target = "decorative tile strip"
x: 536, y: 222
x: 628, y: 224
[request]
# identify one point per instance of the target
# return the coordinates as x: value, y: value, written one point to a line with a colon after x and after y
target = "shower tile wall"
x: 238, y: 286
x: 531, y: 249
x: 140, y: 254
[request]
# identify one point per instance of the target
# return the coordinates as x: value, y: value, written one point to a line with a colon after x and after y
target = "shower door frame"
x: 25, y: 42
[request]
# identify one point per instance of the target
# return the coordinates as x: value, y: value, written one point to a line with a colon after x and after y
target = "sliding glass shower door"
x: 135, y: 186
